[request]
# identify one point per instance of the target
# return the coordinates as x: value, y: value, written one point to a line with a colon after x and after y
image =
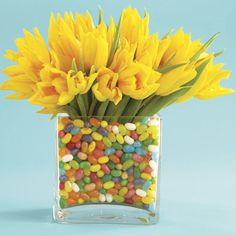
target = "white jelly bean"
x: 67, y: 158
x: 141, y: 193
x: 102, y: 197
x: 154, y: 173
x: 153, y: 164
x: 109, y: 197
x: 128, y: 139
x: 115, y: 129
x: 130, y: 126
x: 153, y: 148
x: 75, y: 187
x: 154, y: 122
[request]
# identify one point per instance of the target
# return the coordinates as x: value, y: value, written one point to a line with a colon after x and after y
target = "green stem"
x: 92, y: 106
x: 102, y: 109
x: 81, y: 105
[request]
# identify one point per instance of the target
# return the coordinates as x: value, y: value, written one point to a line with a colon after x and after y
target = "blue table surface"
x: 198, y: 187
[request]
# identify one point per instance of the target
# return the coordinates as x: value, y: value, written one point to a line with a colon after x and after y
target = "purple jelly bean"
x: 139, y: 181
x: 87, y: 124
x: 103, y: 131
x: 74, y: 151
x: 68, y: 127
x: 116, y: 179
x: 87, y: 138
x: 130, y: 171
x: 63, y: 178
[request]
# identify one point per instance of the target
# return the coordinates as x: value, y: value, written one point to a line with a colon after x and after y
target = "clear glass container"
x: 108, y: 170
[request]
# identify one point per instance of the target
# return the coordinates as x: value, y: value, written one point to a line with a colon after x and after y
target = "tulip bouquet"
x: 111, y: 70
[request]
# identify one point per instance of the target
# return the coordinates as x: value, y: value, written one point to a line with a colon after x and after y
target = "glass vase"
x: 107, y: 170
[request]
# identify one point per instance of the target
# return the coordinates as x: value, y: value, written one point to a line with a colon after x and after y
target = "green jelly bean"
x: 74, y: 164
x: 124, y: 182
x: 148, y: 142
x: 138, y: 204
x: 125, y: 157
x: 85, y: 165
x: 118, y: 198
x: 80, y: 183
x: 94, y: 129
x: 103, y: 191
x: 142, y: 165
x: 141, y: 129
x: 61, y: 165
x: 107, y: 142
x: 153, y: 180
x: 117, y: 146
x: 111, y: 165
x: 116, y: 173
x: 128, y: 164
x: 61, y: 144
x: 136, y: 172
x: 87, y: 179
x: 106, y: 178
x: 62, y: 203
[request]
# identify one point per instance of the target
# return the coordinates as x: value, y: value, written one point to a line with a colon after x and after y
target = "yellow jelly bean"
x: 103, y: 159
x: 100, y: 173
x: 108, y: 185
x: 152, y: 129
x: 153, y: 187
x: 60, y: 126
x: 67, y: 166
x: 64, y: 194
x: 80, y: 200
x: 66, y: 139
x: 146, y: 176
x: 112, y: 137
x: 94, y: 200
x: 84, y: 147
x: 151, y: 193
x: 95, y: 168
x: 72, y: 179
x: 96, y: 136
x: 78, y: 123
x: 91, y: 147
x: 147, y: 200
x: 137, y: 123
x: 123, y: 191
x: 86, y: 172
x: 104, y: 124
x: 68, y: 186
x: 86, y: 131
x: 143, y: 136
x: 122, y: 130
x: 120, y: 138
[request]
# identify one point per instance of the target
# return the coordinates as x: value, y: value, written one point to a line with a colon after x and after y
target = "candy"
x: 119, y: 139
x: 115, y: 129
x: 82, y: 156
x: 89, y: 187
x: 141, y: 192
x: 147, y: 200
x: 86, y: 131
x: 128, y: 148
x: 104, y: 123
x: 108, y: 185
x: 75, y: 187
x: 78, y: 123
x: 67, y: 158
x: 109, y: 151
x: 127, y: 164
x: 153, y: 148
x: 103, y: 159
x: 87, y: 138
x: 85, y: 165
x: 79, y: 174
x: 68, y: 127
x: 95, y: 168
x: 109, y: 197
x: 102, y: 197
x: 116, y: 173
x: 66, y: 139
x: 102, y: 131
x: 91, y: 146
x: 107, y: 142
x: 96, y: 136
x: 153, y: 164
x: 68, y: 186
x: 130, y: 126
x: 128, y: 139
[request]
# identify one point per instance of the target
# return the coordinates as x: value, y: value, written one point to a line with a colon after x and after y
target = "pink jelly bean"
x: 79, y: 174
x: 137, y: 158
x: 98, y: 153
x: 134, y: 135
x: 130, y: 185
x: 130, y: 193
x: 78, y: 145
x: 106, y: 169
x: 119, y: 153
x: 129, y: 201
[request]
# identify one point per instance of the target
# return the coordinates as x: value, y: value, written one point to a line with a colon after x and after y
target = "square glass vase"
x: 107, y: 170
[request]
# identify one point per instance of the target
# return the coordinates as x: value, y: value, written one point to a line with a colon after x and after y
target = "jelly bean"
x: 96, y: 136
x: 67, y: 166
x: 109, y: 151
x: 119, y: 166
x: 66, y: 139
x: 140, y: 151
x: 130, y: 185
x: 87, y: 179
x: 61, y: 185
x: 78, y: 123
x: 114, y: 159
x: 84, y: 147
x: 116, y: 173
x: 104, y: 123
x: 147, y: 200
x: 75, y: 187
x: 153, y: 148
x: 116, y: 179
x: 79, y: 174
x: 86, y: 131
x: 93, y: 194
x: 124, y: 175
x: 68, y: 128
x: 120, y: 139
x: 147, y: 142
x: 87, y: 138
x: 108, y: 185
x: 91, y: 147
x: 75, y: 130
x: 106, y: 178
x: 63, y: 178
x: 103, y: 159
x: 122, y: 129
x: 70, y: 145
x: 109, y: 197
x: 80, y: 201
x: 141, y: 192
x: 146, y: 176
x: 136, y: 198
x: 139, y: 181
x: 74, y: 195
x: 92, y: 160
x: 106, y: 169
x: 64, y: 194
x: 130, y: 193
x: 128, y: 139
x: 61, y: 134
x: 148, y: 169
x: 112, y: 137
x: 102, y: 131
x: 85, y: 196
x: 94, y: 177
x: 130, y: 171
x: 62, y: 203
x: 76, y: 138
x: 137, y: 144
x: 118, y: 198
x: 111, y: 165
x: 124, y: 182
x: 154, y: 173
x: 68, y: 186
x: 128, y: 164
x: 95, y: 168
x: 117, y: 146
x: 128, y: 148
x: 82, y: 156
x: 123, y: 191
x: 137, y: 173
x: 80, y: 183
x: 67, y: 158
x: 137, y: 158
x: 146, y: 185
x: 119, y: 153
x: 94, y: 122
x: 129, y: 201
x: 134, y: 135
x: 142, y: 165
x: 112, y: 191
x: 115, y: 129
x: 100, y: 173
x: 70, y: 173
x: 98, y: 153
x: 130, y: 126
x: 102, y: 197
x: 85, y: 164
x: 107, y: 142
x: 143, y: 136
x: 89, y: 187
x: 151, y: 193
x: 74, y: 151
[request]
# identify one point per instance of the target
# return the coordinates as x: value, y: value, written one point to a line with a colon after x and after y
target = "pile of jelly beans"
x: 101, y: 162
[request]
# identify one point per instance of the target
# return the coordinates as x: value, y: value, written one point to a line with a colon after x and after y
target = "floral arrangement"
x: 111, y: 70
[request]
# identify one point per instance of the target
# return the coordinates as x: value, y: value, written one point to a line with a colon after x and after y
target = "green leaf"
x: 218, y: 53
x: 166, y: 69
x: 81, y: 105
x: 131, y: 109
x: 100, y: 17
x: 203, y: 48
x: 73, y: 114
x: 116, y: 40
x: 102, y: 109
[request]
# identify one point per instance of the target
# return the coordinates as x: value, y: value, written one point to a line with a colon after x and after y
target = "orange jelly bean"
x: 113, y: 191
x: 98, y: 184
x: 114, y: 159
x: 71, y: 201
x: 84, y: 196
x: 93, y: 194
x: 74, y: 195
x: 92, y: 159
x: 100, y: 145
x: 76, y: 138
x: 65, y: 120
x: 63, y: 152
x: 130, y: 178
x: 136, y: 198
x: 117, y: 185
x: 84, y: 147
x: 70, y: 172
x: 95, y: 122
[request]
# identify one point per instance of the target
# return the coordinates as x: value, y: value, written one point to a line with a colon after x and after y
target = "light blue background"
x: 198, y: 189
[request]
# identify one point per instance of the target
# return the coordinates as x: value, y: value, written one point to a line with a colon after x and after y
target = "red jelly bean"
x: 129, y: 201
x: 148, y: 169
x: 79, y: 174
x: 61, y: 134
x: 137, y: 158
x: 119, y: 153
x: 62, y: 185
x: 106, y: 169
x: 78, y: 145
x: 100, y: 145
x: 98, y: 153
x: 70, y: 145
x: 94, y: 177
x: 130, y: 185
